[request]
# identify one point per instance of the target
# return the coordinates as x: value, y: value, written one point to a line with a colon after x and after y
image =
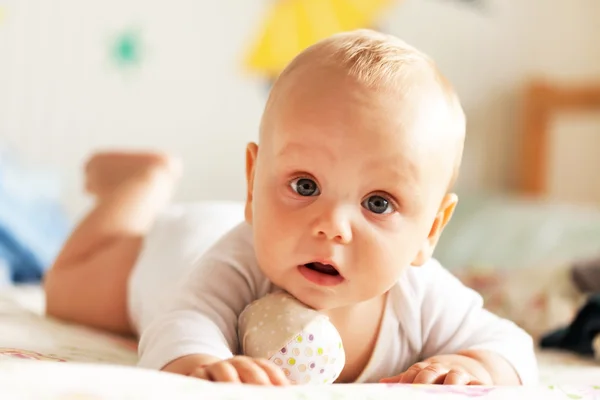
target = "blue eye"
x: 305, y: 187
x: 378, y: 205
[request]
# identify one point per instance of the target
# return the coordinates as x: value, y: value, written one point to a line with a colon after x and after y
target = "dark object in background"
x: 579, y: 336
x: 586, y: 275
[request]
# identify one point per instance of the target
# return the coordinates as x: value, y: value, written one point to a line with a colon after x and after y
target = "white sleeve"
x: 453, y: 319
x: 203, y: 317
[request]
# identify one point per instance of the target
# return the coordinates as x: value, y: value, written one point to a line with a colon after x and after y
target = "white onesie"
x: 185, y: 298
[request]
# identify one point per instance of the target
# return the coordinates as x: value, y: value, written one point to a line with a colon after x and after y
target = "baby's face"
x: 345, y: 189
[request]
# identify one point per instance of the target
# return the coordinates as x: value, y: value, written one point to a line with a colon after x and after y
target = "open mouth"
x: 326, y: 269
x: 321, y: 274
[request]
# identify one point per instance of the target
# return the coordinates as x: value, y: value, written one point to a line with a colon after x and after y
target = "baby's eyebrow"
x: 405, y: 187
x: 403, y: 178
x: 397, y: 166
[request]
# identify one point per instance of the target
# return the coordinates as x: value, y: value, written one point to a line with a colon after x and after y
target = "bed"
x: 41, y: 358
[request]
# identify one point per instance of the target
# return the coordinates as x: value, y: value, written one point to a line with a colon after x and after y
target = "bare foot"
x: 107, y: 171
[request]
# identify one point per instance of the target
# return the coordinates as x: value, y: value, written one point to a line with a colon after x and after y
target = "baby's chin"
x: 317, y: 303
x: 317, y: 299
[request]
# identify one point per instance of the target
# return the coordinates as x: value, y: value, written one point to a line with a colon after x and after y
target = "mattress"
x: 41, y: 358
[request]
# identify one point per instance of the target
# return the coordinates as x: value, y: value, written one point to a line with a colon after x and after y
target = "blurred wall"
x: 489, y: 56
x: 62, y: 93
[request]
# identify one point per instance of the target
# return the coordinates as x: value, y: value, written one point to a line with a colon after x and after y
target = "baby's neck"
x: 359, y: 326
x: 349, y: 315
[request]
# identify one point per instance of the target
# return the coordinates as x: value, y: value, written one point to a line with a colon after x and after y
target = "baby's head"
x: 360, y: 144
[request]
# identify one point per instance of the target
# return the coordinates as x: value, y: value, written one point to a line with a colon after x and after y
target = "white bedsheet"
x: 87, y: 364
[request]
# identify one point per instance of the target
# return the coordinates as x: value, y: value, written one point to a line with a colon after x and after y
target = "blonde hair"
x: 383, y: 62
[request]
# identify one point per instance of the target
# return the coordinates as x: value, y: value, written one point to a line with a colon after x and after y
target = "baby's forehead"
x: 381, y: 131
x: 331, y: 101
x: 383, y: 147
x: 368, y: 85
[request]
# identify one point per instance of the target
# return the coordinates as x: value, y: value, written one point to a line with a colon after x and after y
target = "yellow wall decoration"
x: 293, y: 25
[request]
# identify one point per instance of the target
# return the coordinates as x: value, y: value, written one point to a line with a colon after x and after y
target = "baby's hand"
x: 434, y: 373
x: 242, y: 370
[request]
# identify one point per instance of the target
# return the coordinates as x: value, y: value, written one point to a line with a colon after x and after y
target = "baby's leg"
x: 88, y: 282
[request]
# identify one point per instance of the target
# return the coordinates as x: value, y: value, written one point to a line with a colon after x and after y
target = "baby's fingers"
x: 218, y: 372
x: 457, y: 377
x: 432, y: 374
x: 392, y: 379
x: 250, y: 372
x: 275, y: 373
x: 410, y: 374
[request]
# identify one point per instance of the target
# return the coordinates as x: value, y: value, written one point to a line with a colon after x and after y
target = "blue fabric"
x: 33, y: 225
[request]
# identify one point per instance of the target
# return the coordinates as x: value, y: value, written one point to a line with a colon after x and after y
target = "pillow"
x: 513, y: 232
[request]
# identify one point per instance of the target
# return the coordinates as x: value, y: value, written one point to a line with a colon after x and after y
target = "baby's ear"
x: 251, y: 154
x: 439, y: 223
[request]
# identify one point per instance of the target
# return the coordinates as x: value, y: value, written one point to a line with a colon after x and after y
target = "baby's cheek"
x: 376, y: 284
x: 378, y: 271
x: 399, y: 250
x: 272, y: 254
x: 271, y: 219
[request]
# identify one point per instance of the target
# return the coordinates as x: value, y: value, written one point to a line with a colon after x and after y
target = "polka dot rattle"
x: 298, y: 339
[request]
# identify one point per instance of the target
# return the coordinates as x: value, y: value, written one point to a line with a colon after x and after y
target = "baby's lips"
x: 328, y: 261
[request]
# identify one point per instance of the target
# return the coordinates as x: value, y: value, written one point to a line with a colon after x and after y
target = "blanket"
x: 33, y: 224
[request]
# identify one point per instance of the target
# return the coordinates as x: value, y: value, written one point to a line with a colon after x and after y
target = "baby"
x: 347, y: 195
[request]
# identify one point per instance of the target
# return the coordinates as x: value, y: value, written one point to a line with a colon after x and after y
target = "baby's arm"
x: 465, y: 344
x: 197, y: 334
x: 199, y: 321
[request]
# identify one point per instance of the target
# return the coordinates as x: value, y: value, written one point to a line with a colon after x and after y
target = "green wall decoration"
x: 126, y: 49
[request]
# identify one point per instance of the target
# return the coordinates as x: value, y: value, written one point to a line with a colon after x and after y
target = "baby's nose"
x: 334, y: 225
